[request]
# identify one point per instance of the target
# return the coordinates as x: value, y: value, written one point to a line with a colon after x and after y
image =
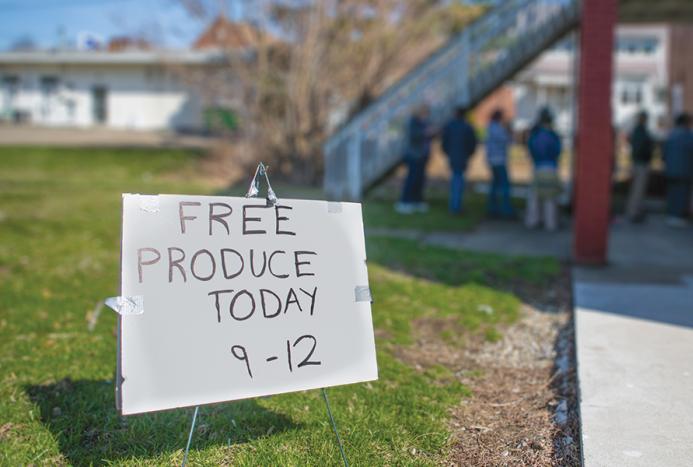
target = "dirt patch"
x: 507, y: 421
x: 5, y: 430
x: 523, y: 411
x: 523, y: 408
x: 430, y: 349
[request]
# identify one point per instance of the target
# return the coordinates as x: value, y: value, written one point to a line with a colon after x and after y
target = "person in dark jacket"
x: 544, y: 147
x: 459, y: 143
x: 678, y: 160
x: 419, y: 134
x: 641, y: 148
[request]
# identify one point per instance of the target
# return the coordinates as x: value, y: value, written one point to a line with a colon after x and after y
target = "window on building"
x: 650, y: 45
x: 10, y: 82
x: 631, y: 93
x: 662, y: 94
x: 637, y: 45
x: 99, y: 99
x: 49, y: 87
x: 49, y: 84
x: 10, y: 89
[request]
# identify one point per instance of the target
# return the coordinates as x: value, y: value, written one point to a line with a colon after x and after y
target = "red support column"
x: 595, y: 137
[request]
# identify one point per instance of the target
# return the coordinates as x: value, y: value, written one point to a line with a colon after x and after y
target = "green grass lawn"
x: 59, y: 256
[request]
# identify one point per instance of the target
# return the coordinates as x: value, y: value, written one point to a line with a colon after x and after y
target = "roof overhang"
x: 182, y: 57
x: 648, y: 11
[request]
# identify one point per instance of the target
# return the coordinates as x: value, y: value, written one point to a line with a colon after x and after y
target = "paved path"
x: 508, y: 238
x: 17, y: 135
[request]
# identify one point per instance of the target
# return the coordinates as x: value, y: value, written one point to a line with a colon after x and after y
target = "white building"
x: 140, y: 90
x: 640, y: 80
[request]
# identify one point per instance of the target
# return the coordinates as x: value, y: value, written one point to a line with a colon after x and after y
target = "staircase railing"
x: 461, y: 73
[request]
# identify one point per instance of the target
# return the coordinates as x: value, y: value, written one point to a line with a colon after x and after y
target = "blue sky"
x: 47, y: 21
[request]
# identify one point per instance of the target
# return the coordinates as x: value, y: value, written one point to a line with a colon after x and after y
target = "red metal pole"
x: 595, y: 135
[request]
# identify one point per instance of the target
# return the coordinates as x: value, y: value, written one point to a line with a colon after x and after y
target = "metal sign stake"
x: 334, y: 428
x: 190, y: 435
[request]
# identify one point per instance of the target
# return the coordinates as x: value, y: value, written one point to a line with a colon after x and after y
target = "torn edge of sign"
x: 334, y: 207
x: 149, y: 203
x: 362, y: 293
x: 126, y: 305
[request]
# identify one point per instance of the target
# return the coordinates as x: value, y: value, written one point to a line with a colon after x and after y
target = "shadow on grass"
x: 83, y: 419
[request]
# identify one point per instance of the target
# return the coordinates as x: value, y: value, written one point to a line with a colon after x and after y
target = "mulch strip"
x: 523, y: 408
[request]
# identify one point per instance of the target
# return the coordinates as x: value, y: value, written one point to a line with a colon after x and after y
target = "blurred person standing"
x: 459, y: 143
x: 419, y: 134
x: 641, y: 148
x: 497, y: 140
x: 678, y: 160
x: 544, y: 147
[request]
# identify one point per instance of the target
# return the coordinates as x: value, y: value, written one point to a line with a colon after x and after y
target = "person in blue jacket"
x: 459, y: 143
x: 419, y: 133
x: 544, y: 147
x: 678, y: 160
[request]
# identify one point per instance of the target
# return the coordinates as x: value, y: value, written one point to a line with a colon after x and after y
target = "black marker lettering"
x: 291, y: 298
x: 247, y: 219
x: 184, y: 218
x: 264, y: 305
x: 282, y: 218
x: 219, y: 217
x: 312, y: 298
x: 216, y: 301
x: 223, y: 263
x: 301, y: 263
x: 288, y: 355
x: 242, y: 357
x: 307, y: 360
x: 269, y: 265
x: 176, y: 263
x: 232, y: 306
x: 193, y: 262
x: 141, y: 263
x: 252, y: 263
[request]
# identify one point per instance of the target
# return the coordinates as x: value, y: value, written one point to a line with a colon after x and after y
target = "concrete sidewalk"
x: 634, y: 339
x: 635, y: 370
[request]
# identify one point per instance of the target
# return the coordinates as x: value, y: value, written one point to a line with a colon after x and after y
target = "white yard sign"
x: 226, y: 298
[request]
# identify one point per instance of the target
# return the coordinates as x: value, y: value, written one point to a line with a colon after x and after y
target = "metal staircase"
x: 464, y: 71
